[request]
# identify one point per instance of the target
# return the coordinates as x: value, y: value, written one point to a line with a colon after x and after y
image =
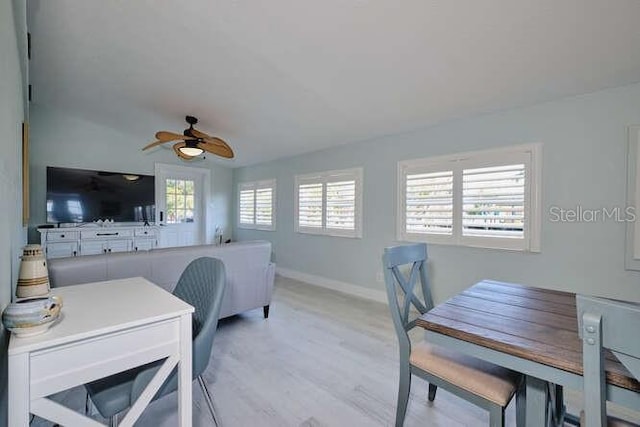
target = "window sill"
x: 510, y: 245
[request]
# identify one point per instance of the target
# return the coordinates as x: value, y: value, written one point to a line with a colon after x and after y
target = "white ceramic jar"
x: 33, y: 277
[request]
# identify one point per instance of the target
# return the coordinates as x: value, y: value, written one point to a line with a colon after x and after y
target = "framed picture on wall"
x: 25, y: 173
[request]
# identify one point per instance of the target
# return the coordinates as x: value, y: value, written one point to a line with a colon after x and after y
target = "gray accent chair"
x: 605, y: 324
x: 202, y: 284
x: 489, y: 386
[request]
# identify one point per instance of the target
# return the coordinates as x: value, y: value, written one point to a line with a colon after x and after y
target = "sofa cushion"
x: 69, y: 271
x: 128, y: 264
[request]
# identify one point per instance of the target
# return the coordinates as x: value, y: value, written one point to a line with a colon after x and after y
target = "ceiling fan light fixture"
x: 191, y: 149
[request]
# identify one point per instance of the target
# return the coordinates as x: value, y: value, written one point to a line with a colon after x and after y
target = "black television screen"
x: 78, y: 195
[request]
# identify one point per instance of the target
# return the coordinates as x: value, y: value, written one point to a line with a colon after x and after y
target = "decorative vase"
x: 31, y: 316
x: 33, y: 277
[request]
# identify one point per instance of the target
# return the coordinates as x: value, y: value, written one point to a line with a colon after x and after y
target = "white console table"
x: 106, y: 327
x: 76, y: 241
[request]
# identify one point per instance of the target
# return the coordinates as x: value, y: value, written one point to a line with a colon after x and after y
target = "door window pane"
x: 180, y: 200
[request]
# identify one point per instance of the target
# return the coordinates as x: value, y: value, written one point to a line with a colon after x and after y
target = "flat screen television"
x: 78, y: 195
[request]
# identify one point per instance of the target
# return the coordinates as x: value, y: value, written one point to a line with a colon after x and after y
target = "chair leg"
x: 432, y: 392
x: 521, y: 405
x: 113, y: 421
x: 403, y: 394
x: 207, y: 398
x: 496, y: 416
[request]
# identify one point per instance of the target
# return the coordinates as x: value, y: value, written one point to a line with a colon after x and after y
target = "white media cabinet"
x: 93, y: 240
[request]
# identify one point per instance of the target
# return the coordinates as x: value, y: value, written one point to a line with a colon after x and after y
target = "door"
x: 62, y: 249
x: 119, y: 246
x: 93, y: 247
x: 181, y: 202
x: 144, y: 244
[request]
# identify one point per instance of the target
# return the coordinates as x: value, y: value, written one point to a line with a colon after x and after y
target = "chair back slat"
x: 406, y: 254
x: 605, y: 324
x: 621, y: 322
x: 632, y: 363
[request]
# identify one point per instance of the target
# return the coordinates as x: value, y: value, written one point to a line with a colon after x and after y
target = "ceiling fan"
x: 192, y: 142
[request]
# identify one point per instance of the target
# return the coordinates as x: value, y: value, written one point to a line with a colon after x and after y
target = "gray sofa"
x: 250, y: 272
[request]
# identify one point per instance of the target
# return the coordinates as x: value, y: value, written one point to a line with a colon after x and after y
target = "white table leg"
x: 536, y: 404
x: 18, y: 386
x: 185, y: 372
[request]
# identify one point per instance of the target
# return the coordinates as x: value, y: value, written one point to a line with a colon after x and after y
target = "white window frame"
x: 324, y: 178
x: 528, y: 154
x: 632, y: 246
x: 254, y: 186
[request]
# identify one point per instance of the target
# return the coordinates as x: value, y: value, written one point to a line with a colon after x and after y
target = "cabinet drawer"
x: 105, y: 234
x: 54, y: 236
x: 62, y: 367
x: 145, y: 232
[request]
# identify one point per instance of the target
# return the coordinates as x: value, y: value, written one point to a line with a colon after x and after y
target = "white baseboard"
x: 336, y: 285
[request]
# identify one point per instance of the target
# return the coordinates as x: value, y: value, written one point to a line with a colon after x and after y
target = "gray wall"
x: 584, y: 158
x: 12, y: 114
x: 64, y: 139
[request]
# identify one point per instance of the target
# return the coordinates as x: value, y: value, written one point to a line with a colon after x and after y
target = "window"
x: 256, y: 205
x: 180, y: 194
x: 486, y: 199
x: 330, y: 203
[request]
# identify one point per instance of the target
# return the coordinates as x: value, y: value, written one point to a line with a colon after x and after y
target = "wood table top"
x: 535, y: 324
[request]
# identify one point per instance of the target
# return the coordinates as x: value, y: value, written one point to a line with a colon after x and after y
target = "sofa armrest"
x: 269, y: 279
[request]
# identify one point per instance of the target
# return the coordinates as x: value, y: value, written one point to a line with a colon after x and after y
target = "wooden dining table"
x: 530, y: 330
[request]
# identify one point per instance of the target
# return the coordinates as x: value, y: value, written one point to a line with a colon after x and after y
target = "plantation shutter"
x: 310, y: 205
x: 264, y: 206
x: 429, y: 203
x: 494, y: 201
x: 247, y: 201
x: 341, y: 205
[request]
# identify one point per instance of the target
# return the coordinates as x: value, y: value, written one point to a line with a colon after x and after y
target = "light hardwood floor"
x: 321, y: 359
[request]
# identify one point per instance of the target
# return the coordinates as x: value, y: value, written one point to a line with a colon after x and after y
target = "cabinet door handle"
x: 109, y: 249
x: 62, y: 236
x: 106, y: 234
x: 105, y: 251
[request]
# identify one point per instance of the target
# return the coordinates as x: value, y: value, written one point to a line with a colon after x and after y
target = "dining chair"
x: 489, y: 386
x: 605, y: 324
x: 202, y: 285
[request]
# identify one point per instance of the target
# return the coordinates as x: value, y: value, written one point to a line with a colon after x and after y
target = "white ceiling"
x: 281, y: 77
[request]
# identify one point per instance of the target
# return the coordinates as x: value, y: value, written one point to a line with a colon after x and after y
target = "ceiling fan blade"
x: 176, y: 149
x: 153, y: 144
x: 216, y: 141
x: 198, y: 134
x: 217, y: 149
x: 165, y: 136
x: 211, y: 139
